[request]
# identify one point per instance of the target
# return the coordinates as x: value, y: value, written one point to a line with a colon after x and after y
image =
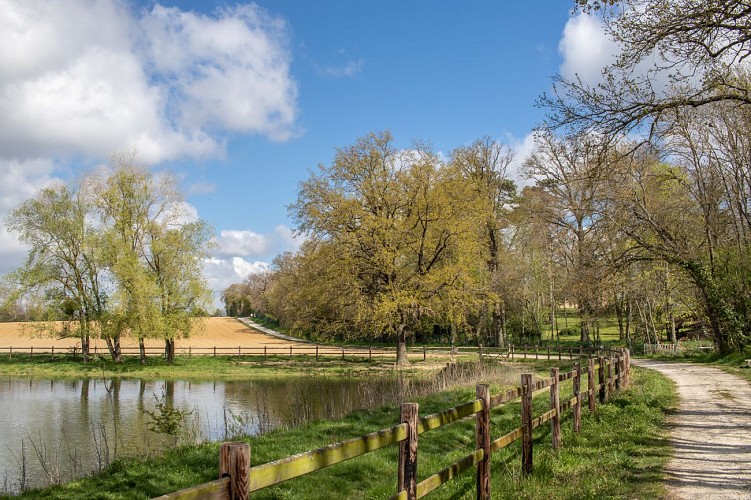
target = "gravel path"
x: 711, y: 432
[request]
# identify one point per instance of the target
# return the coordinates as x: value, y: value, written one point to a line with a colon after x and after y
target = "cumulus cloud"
x: 91, y: 78
x: 586, y: 48
x: 246, y: 243
x: 221, y: 273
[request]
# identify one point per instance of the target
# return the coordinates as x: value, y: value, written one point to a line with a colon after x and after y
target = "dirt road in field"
x: 711, y: 432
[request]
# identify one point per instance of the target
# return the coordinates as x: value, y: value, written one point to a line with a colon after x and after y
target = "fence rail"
x: 614, y: 373
x: 318, y: 351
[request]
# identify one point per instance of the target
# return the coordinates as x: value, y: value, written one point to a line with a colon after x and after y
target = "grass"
x: 734, y: 363
x: 619, y: 453
x: 195, y: 368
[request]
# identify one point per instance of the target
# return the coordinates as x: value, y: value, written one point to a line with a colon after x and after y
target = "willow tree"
x: 154, y: 255
x: 397, y: 219
x: 64, y: 262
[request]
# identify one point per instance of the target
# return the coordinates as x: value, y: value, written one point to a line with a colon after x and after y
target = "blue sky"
x: 241, y: 100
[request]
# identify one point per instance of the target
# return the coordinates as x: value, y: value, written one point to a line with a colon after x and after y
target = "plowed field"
x: 219, y: 332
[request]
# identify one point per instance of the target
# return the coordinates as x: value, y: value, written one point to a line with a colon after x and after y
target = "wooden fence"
x: 238, y: 480
x: 317, y: 351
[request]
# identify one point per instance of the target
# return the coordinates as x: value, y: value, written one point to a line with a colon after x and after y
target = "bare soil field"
x: 219, y: 332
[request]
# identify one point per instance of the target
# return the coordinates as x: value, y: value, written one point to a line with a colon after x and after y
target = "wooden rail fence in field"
x: 317, y: 350
x: 237, y: 480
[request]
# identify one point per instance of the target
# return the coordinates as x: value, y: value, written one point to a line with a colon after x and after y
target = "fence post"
x: 342, y: 352
x: 190, y: 351
x: 601, y: 379
x: 512, y: 352
x: 526, y: 423
x: 628, y: 367
x: 215, y: 351
x: 234, y: 461
x: 10, y: 352
x: 570, y: 353
x: 290, y: 351
x: 618, y: 371
x: 53, y: 352
x: 536, y: 352
x: 548, y: 353
x: 370, y: 352
x: 32, y: 352
x: 408, y: 452
x: 424, y: 353
x: 610, y: 375
x: 560, y: 349
x: 483, y: 442
x: 578, y: 395
x: 555, y: 404
x: 264, y: 351
x: 591, y: 384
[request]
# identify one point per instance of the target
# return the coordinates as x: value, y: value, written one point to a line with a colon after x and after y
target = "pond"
x: 57, y: 430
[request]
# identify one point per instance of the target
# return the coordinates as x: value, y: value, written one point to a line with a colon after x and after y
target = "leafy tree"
x: 64, y: 261
x: 397, y: 220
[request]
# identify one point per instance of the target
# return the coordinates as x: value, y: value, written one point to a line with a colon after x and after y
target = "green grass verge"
x: 195, y: 368
x: 734, y: 363
x: 620, y: 453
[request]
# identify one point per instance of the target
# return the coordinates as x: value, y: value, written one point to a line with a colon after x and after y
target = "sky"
x: 242, y: 100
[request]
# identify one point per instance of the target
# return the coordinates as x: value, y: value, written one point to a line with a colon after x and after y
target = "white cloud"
x: 243, y: 243
x: 246, y: 243
x: 221, y: 273
x: 350, y: 69
x: 92, y: 78
x: 586, y: 48
x: 522, y: 149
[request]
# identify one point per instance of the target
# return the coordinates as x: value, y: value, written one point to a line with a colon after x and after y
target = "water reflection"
x: 55, y: 430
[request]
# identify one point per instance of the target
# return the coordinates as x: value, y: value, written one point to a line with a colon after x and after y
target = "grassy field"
x: 619, y: 454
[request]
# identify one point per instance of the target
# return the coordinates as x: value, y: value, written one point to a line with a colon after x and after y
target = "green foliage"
x: 166, y: 419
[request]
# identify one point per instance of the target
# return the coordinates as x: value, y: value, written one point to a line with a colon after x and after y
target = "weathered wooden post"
x: 555, y: 404
x: 10, y: 352
x: 316, y: 353
x: 591, y: 384
x: 234, y: 461
x: 618, y: 371
x: 215, y: 351
x: 408, y: 452
x: 601, y: 380
x: 610, y: 375
x: 628, y: 367
x: 578, y: 396
x: 560, y: 349
x: 548, y: 353
x: 483, y: 442
x: 526, y: 422
x: 290, y: 351
x: 53, y: 352
x: 342, y: 352
x: 370, y: 352
x: 31, y: 354
x: 424, y: 353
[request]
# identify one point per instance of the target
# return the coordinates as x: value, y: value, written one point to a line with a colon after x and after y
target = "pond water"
x: 56, y: 430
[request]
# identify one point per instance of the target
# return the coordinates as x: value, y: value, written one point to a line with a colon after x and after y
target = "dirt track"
x: 711, y: 433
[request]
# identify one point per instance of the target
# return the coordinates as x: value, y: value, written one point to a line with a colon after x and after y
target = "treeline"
x: 640, y: 207
x: 114, y: 254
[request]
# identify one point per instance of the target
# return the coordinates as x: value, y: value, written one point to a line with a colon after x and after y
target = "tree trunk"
x: 401, y: 346
x: 113, y: 345
x: 169, y: 350
x: 142, y: 350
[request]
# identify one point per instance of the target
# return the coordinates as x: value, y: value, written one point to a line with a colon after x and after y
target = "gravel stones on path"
x: 711, y: 432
